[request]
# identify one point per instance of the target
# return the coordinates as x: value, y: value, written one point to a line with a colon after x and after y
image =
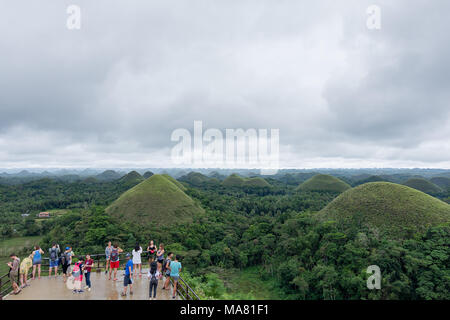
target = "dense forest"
x: 271, y: 229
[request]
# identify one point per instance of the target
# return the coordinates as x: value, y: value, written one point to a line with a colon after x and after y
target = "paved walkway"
x: 102, y: 289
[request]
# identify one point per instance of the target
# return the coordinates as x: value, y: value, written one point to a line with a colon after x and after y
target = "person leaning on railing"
x: 14, y: 272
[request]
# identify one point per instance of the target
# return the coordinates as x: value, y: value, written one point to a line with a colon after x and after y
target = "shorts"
x: 37, y: 262
x: 13, y: 277
x: 168, y: 273
x: 127, y: 280
x: 54, y: 263
x: 24, y: 271
x: 114, y: 264
x: 65, y: 267
x: 160, y: 261
x: 175, y: 278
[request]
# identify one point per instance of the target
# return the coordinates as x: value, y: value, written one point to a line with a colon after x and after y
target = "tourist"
x: 108, y: 250
x: 137, y: 259
x: 151, y: 249
x: 25, y: 266
x: 114, y: 257
x: 14, y: 272
x: 77, y: 274
x: 175, y: 269
x: 153, y: 275
x: 66, y: 261
x: 37, y: 261
x: 166, y: 270
x: 54, y: 254
x: 127, y: 280
x: 88, y: 264
x: 160, y: 256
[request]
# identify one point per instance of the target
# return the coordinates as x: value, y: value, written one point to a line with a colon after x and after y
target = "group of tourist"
x: 161, y: 266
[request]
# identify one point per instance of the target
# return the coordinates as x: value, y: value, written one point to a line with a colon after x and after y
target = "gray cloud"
x: 112, y: 92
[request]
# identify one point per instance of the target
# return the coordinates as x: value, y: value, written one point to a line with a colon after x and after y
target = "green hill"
x: 155, y: 200
x: 108, y: 175
x: 442, y: 182
x: 195, y: 178
x: 174, y: 181
x: 233, y: 180
x: 324, y: 182
x: 370, y: 179
x: 255, y: 182
x: 423, y: 185
x: 147, y: 174
x: 390, y: 207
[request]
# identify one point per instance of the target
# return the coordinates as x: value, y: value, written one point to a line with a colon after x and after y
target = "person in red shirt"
x: 88, y: 264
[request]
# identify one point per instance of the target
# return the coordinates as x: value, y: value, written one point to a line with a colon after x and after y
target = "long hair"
x: 137, y: 247
x: 153, y: 267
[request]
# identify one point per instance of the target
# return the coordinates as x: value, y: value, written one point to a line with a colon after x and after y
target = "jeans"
x: 153, y: 286
x: 88, y: 279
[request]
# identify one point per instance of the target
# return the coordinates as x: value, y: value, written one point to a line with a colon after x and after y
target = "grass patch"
x: 248, y: 282
x: 15, y: 245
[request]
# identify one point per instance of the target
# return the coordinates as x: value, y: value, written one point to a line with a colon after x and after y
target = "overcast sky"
x: 111, y: 93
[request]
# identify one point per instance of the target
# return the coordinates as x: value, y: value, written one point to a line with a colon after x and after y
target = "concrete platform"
x: 102, y: 289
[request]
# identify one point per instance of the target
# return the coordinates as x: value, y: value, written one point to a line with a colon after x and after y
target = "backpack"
x: 64, y: 259
x: 76, y: 272
x: 164, y: 267
x: 114, y: 255
x: 53, y: 254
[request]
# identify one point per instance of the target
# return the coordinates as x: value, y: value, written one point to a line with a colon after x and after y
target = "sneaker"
x: 86, y: 287
x: 74, y: 291
x: 89, y: 289
x: 80, y: 291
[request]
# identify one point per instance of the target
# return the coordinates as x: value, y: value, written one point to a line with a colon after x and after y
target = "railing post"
x: 1, y: 297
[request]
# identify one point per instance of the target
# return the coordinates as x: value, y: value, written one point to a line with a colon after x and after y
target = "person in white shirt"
x: 137, y: 259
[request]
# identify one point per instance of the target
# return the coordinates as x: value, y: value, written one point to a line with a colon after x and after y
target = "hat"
x: 127, y: 255
x: 67, y: 248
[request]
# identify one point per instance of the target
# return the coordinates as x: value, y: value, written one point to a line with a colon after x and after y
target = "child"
x: 87, y: 269
x: 153, y: 275
x: 77, y: 274
x: 127, y: 280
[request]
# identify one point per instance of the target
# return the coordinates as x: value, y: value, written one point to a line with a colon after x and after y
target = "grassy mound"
x: 174, y: 181
x: 147, y: 174
x: 389, y: 207
x: 195, y: 178
x: 233, y: 180
x: 324, y: 182
x: 370, y: 179
x: 423, y: 185
x: 155, y: 200
x: 256, y: 182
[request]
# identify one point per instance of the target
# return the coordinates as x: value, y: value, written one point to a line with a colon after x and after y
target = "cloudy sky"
x: 111, y: 93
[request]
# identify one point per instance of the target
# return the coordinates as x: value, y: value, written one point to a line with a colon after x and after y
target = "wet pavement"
x: 102, y: 289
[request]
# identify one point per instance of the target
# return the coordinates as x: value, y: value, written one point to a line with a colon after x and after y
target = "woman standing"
x: 160, y: 257
x: 37, y: 261
x: 137, y: 259
x: 151, y: 249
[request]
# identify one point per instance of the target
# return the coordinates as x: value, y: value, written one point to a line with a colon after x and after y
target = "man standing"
x: 54, y: 261
x: 66, y: 260
x: 25, y: 266
x: 127, y: 280
x: 108, y: 257
x: 114, y: 261
x: 14, y: 272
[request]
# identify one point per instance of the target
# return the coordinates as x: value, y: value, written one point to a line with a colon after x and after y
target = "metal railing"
x: 183, y: 288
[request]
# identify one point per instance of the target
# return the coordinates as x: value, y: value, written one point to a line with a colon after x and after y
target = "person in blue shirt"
x: 175, y: 268
x: 128, y: 279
